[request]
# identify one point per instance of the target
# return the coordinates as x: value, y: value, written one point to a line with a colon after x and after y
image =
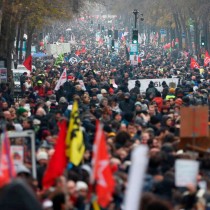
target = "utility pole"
x: 135, y: 12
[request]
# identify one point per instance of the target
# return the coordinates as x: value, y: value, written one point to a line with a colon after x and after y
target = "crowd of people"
x: 129, y: 117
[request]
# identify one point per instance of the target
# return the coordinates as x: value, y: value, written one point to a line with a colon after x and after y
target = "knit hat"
x: 20, y: 168
x: 178, y: 101
x: 138, y: 103
x: 127, y: 94
x: 171, y: 90
x: 111, y: 90
x: 21, y: 110
x: 80, y: 185
x: 154, y: 120
x: 62, y: 100
x: 42, y: 155
x: 52, y: 98
x: 103, y: 91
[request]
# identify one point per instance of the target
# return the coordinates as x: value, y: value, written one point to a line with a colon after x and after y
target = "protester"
x: 130, y: 117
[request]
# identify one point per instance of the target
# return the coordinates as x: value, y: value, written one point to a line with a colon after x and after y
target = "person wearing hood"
x: 127, y: 105
x: 159, y: 101
x: 136, y: 89
x: 151, y: 91
x: 167, y: 122
x: 165, y: 89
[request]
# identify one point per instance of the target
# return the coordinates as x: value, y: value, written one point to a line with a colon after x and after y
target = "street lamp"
x: 135, y: 12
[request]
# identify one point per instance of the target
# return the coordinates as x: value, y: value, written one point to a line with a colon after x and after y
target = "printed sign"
x: 186, y: 172
x: 18, y: 154
x: 134, y: 59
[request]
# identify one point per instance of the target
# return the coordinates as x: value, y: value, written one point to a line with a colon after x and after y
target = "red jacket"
x: 41, y: 91
x: 159, y: 102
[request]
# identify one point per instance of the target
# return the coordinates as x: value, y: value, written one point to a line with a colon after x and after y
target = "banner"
x: 62, y: 80
x: 157, y: 83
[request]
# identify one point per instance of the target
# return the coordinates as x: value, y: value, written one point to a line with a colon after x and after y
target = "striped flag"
x: 7, y: 170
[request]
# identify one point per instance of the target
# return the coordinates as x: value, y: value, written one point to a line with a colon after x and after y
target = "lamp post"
x: 135, y: 12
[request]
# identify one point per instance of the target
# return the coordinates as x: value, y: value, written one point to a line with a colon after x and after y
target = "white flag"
x: 136, y: 178
x: 61, y: 80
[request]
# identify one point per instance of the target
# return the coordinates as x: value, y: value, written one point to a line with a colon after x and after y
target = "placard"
x: 194, y: 122
x: 23, y: 147
x: 186, y: 172
x: 136, y: 177
x: 17, y: 154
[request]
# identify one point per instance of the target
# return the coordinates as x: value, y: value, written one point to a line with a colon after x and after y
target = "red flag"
x: 139, y: 59
x: 101, y: 42
x: 83, y: 50
x: 28, y: 63
x: 58, y: 161
x: 172, y: 44
x: 194, y: 64
x: 7, y: 170
x: 77, y: 52
x: 167, y: 46
x: 206, y: 59
x: 102, y: 173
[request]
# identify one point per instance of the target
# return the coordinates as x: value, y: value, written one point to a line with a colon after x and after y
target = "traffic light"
x: 202, y: 41
x: 112, y: 45
x: 135, y: 37
x: 99, y: 26
x: 109, y: 33
x: 102, y: 28
x: 91, y: 22
x: 116, y: 34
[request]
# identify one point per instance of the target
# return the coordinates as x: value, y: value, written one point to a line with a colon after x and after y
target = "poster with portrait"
x: 17, y: 154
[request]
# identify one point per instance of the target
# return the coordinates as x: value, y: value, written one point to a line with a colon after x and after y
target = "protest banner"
x: 157, y: 83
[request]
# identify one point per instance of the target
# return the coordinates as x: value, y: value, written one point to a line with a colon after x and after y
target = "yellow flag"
x: 74, y: 138
x: 95, y: 205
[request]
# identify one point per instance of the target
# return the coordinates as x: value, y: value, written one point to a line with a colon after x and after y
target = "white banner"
x: 61, y: 80
x: 157, y: 83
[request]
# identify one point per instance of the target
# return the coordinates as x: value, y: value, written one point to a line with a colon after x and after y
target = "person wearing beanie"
x: 22, y: 112
x: 178, y: 102
x: 171, y: 94
x: 155, y: 124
